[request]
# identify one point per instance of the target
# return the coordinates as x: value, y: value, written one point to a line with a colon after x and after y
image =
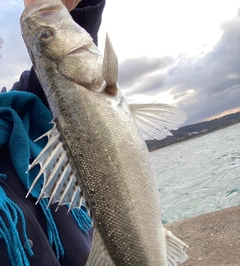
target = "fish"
x: 96, y: 152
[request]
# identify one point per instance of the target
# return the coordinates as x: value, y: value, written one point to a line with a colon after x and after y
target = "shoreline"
x: 193, y: 137
x: 213, y: 238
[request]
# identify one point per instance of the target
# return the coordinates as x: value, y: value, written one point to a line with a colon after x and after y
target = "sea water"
x: 199, y: 175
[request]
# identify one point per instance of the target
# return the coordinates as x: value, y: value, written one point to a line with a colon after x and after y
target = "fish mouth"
x: 78, y: 50
x: 44, y: 14
x: 85, y: 48
x: 42, y: 8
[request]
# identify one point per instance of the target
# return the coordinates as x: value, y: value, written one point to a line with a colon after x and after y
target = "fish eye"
x: 45, y: 35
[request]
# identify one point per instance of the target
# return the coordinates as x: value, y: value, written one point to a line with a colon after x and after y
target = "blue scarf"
x: 23, y: 118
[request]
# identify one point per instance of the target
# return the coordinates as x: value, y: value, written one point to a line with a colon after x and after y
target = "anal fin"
x: 176, y: 249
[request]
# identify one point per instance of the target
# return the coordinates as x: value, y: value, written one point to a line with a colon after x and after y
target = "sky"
x: 184, y: 53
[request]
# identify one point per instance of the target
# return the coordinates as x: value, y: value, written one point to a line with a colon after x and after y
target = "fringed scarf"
x: 23, y: 118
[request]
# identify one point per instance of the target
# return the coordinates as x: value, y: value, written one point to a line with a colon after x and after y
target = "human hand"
x: 70, y: 4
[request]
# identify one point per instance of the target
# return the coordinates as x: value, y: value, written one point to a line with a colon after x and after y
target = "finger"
x: 27, y: 2
x: 70, y: 4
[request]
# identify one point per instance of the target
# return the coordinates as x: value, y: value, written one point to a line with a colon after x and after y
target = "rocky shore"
x: 213, y: 238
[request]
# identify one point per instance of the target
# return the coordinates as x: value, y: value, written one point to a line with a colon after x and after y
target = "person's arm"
x: 88, y: 14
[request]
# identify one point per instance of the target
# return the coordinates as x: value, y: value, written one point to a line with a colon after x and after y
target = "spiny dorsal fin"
x: 60, y: 183
x: 110, y: 68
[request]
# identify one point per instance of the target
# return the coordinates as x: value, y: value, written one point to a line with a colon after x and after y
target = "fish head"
x: 53, y: 39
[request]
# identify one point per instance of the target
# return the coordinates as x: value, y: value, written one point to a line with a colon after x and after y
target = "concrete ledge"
x: 213, y: 238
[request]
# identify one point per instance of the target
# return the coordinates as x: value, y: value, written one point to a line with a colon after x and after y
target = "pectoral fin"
x: 110, y: 68
x: 98, y: 255
x: 156, y: 120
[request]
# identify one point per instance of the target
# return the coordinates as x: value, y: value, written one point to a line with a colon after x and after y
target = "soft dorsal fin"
x: 110, y: 68
x: 155, y: 120
x: 175, y: 249
x: 98, y: 255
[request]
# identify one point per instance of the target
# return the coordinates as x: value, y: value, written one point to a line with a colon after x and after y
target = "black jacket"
x: 76, y: 243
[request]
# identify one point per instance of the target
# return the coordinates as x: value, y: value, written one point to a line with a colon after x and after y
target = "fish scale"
x: 100, y: 183
x: 96, y: 150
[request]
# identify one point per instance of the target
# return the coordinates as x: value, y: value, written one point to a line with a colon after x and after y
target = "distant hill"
x: 186, y: 132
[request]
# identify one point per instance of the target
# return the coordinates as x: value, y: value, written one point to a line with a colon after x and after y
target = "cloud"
x: 1, y: 43
x: 202, y: 85
x: 131, y: 69
x: 214, y: 79
x: 14, y: 55
x: 148, y: 84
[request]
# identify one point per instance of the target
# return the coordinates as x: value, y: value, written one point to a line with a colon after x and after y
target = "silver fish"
x: 95, y: 150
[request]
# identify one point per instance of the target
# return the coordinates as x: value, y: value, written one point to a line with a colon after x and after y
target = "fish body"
x: 96, y: 149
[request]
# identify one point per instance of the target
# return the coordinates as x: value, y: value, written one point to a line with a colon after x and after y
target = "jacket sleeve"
x: 88, y: 14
